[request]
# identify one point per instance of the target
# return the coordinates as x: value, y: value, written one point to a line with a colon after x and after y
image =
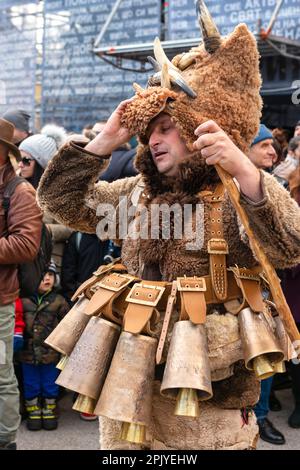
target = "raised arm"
x: 67, y: 189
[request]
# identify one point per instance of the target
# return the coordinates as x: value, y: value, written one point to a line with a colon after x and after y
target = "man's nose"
x: 271, y: 150
x: 154, y: 139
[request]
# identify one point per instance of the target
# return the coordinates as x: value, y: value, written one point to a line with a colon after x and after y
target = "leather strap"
x: 217, y: 247
x: 192, y: 296
x: 142, y: 301
x: 110, y: 287
x: 101, y: 271
x: 165, y: 326
x: 250, y: 284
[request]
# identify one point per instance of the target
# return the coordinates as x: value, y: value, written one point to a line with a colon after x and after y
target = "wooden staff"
x: 270, y: 273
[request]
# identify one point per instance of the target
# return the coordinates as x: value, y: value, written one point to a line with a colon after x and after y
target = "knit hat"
x: 42, y: 147
x: 52, y: 267
x: 19, y: 118
x: 263, y: 134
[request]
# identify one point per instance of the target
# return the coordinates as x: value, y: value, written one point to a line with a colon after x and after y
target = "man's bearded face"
x: 166, y: 146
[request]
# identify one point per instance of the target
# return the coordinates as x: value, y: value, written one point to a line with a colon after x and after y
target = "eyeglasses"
x: 26, y: 161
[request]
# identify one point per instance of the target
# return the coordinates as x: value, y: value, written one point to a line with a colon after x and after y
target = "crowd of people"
x: 76, y: 255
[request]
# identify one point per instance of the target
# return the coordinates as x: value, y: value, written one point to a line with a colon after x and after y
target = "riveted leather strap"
x: 217, y: 246
x: 192, y: 296
x: 168, y: 314
x: 142, y: 301
x: 108, y: 288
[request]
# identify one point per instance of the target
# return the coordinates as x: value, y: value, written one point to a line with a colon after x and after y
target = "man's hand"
x: 218, y: 149
x: 113, y: 134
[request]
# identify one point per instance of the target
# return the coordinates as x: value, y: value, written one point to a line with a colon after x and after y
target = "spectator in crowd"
x: 282, y: 137
x: 42, y: 312
x: 37, y: 150
x: 82, y: 256
x: 263, y: 155
x: 297, y: 129
x: 20, y: 233
x: 290, y: 286
x: 20, y: 119
x: 284, y: 171
x: 19, y: 326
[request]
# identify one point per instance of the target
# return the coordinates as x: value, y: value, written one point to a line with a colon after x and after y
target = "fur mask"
x: 223, y: 73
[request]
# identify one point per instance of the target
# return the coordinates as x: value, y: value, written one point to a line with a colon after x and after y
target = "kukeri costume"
x: 199, y: 314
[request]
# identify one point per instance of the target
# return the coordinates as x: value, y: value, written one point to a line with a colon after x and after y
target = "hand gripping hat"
x: 217, y: 80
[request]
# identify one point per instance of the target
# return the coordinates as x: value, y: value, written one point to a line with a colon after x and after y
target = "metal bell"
x: 64, y: 337
x: 187, y: 373
x: 127, y: 392
x: 260, y: 346
x: 90, y: 359
x: 284, y: 340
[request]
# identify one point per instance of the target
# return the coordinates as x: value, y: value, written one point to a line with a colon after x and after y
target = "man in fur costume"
x: 210, y: 120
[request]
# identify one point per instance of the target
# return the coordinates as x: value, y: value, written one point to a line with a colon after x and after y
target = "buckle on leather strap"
x: 115, y: 281
x: 191, y: 284
x: 217, y: 246
x: 145, y: 294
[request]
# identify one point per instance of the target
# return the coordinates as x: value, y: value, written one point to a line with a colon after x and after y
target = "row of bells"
x: 113, y: 371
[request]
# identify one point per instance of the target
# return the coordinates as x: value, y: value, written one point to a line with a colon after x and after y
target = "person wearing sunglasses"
x: 36, y: 152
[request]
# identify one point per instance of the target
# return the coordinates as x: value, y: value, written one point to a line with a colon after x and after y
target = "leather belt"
x: 192, y: 296
x: 110, y: 287
x: 217, y: 247
x: 142, y: 301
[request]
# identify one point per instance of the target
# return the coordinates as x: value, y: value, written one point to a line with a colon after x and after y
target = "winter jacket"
x: 20, y: 233
x: 42, y: 313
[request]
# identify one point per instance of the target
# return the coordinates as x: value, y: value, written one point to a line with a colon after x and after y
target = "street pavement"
x: 75, y: 434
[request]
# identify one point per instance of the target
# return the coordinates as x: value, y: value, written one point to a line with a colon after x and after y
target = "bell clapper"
x: 187, y: 403
x: 132, y: 432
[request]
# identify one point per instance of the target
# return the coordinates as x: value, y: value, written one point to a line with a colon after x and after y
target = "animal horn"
x: 174, y: 74
x: 210, y: 32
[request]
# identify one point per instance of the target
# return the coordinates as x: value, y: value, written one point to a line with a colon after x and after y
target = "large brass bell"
x: 127, y: 392
x: 187, y: 374
x: 64, y: 337
x: 284, y: 340
x: 89, y: 362
x: 261, y: 348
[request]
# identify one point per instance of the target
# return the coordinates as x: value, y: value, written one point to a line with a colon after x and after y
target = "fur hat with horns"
x: 218, y: 80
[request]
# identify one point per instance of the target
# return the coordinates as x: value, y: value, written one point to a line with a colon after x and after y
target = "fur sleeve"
x: 276, y: 222
x: 67, y: 189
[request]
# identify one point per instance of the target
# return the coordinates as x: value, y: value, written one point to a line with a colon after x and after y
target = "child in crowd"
x: 285, y: 169
x: 42, y: 312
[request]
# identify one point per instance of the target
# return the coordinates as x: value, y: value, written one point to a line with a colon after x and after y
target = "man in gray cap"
x: 20, y: 119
